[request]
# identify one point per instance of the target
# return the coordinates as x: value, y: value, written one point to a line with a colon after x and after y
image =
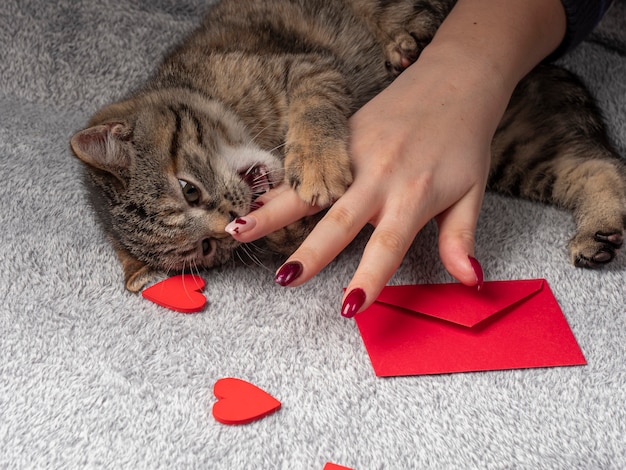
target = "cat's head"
x: 167, y: 172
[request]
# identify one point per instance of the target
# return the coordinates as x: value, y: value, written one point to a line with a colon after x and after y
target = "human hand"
x: 421, y: 149
x: 418, y: 151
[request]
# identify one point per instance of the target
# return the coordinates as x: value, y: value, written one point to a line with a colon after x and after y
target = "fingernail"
x: 288, y: 273
x: 240, y: 225
x: 478, y: 271
x: 353, y: 302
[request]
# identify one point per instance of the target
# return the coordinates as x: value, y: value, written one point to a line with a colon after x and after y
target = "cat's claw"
x: 614, y: 239
x: 316, y: 193
x: 596, y: 251
x: 319, y: 179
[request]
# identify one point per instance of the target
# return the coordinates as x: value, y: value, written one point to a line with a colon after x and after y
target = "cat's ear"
x: 104, y: 147
x: 137, y: 274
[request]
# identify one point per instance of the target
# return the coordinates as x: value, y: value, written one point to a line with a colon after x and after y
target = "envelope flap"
x: 457, y: 303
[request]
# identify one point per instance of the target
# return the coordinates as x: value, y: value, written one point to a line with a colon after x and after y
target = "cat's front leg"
x: 317, y: 164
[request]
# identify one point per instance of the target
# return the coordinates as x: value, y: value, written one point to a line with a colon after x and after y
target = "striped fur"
x: 261, y: 93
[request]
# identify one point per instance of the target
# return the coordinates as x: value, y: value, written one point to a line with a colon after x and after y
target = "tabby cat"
x: 261, y: 93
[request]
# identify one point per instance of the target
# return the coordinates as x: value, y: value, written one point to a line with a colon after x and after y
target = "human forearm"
x: 478, y: 56
x: 511, y: 36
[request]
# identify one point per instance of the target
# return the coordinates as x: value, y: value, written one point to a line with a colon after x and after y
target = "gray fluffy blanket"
x: 92, y: 376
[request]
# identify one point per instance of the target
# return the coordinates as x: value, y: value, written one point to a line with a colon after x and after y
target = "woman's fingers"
x: 457, y: 227
x: 339, y: 226
x: 385, y: 250
x: 278, y: 208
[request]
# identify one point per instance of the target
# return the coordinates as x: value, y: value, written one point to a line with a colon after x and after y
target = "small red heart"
x: 180, y: 293
x: 334, y: 466
x: 240, y: 402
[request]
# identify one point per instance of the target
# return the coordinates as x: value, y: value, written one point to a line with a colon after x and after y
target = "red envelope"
x: 445, y: 328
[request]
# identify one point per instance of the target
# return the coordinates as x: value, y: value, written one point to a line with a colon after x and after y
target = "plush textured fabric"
x: 92, y: 376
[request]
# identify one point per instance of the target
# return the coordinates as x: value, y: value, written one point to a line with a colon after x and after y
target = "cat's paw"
x: 595, y: 250
x: 319, y: 177
x: 401, y: 52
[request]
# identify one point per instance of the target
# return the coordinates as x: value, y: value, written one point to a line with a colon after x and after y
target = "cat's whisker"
x: 195, y: 269
x: 253, y: 138
x: 277, y: 147
x: 263, y: 252
x: 169, y: 269
x: 280, y: 171
x: 253, y: 247
x: 237, y: 253
x: 184, y: 278
x: 249, y: 170
x: 262, y: 179
x: 248, y: 250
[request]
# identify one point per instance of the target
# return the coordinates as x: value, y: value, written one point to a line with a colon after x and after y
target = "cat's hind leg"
x: 598, y: 193
x: 593, y: 188
x: 552, y: 146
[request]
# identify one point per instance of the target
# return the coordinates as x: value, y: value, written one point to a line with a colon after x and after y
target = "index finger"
x: 339, y: 226
x: 278, y: 208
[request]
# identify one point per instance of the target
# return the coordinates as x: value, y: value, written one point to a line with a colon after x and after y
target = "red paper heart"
x: 180, y: 293
x: 240, y: 402
x: 334, y: 466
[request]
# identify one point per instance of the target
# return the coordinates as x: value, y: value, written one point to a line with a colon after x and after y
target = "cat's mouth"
x: 257, y: 177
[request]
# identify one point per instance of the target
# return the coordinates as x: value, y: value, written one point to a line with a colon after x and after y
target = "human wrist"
x: 499, y: 41
x: 469, y: 69
x: 460, y: 84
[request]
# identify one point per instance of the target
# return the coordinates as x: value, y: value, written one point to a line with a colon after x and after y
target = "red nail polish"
x: 256, y: 205
x: 478, y: 270
x: 353, y: 302
x: 288, y: 273
x: 240, y: 225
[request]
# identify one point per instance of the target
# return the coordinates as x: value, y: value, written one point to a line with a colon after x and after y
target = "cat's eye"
x: 190, y: 192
